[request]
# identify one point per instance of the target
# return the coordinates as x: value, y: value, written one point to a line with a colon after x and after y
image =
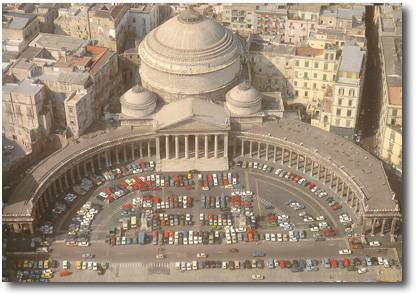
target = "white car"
x: 94, y: 266
x: 65, y: 264
x: 201, y: 255
x: 320, y: 218
x: 267, y: 237
x: 375, y: 244
x: 257, y: 277
x: 277, y: 172
x: 344, y: 252
x: 362, y: 270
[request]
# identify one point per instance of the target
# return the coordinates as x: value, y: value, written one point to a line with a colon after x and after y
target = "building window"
x: 394, y: 113
x: 348, y: 123
x: 295, y: 83
x: 338, y: 112
x: 306, y: 64
x: 306, y: 93
x: 392, y: 135
x: 324, y: 77
x: 350, y: 102
x: 305, y: 85
x: 341, y: 91
x: 325, y: 66
x: 349, y: 113
x: 315, y: 75
x: 134, y: 20
x: 351, y: 92
x: 314, y: 85
x: 305, y: 75
x: 339, y: 101
x: 296, y: 93
x: 316, y: 65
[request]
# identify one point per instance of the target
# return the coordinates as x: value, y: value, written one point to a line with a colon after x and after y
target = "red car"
x: 282, y: 264
x: 336, y: 206
x: 346, y: 262
x: 334, y: 263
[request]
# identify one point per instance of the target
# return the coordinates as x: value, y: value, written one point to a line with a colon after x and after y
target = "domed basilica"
x: 192, y: 76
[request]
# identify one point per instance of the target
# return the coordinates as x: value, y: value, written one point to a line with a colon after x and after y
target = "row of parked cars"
x: 79, y: 230
x: 296, y: 265
x: 226, y: 179
x: 215, y: 202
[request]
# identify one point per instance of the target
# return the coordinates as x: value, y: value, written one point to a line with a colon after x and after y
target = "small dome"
x: 243, y: 99
x: 138, y: 102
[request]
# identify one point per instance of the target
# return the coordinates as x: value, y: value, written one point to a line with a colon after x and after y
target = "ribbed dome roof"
x: 188, y: 44
x: 244, y: 99
x: 138, y: 102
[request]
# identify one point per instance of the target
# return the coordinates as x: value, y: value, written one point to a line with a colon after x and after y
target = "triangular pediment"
x: 192, y: 124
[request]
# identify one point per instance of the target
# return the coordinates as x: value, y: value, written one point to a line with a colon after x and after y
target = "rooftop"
x: 392, y: 61
x: 25, y: 88
x: 272, y: 48
x: 309, y: 51
x: 16, y: 20
x: 78, y: 78
x: 395, y: 95
x: 352, y: 59
x: 58, y: 42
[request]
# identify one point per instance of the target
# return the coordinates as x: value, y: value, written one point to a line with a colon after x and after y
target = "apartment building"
x: 79, y: 112
x: 389, y: 134
x: 108, y: 25
x: 73, y: 21
x: 27, y: 113
x: 271, y: 20
x: 347, y: 94
x: 18, y: 30
x: 314, y: 71
x: 240, y: 17
x: 272, y: 67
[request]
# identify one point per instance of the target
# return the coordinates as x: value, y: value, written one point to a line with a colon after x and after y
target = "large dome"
x: 243, y: 99
x: 189, y: 55
x: 137, y: 102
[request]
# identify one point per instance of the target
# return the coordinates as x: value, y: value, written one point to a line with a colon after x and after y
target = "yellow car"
x: 46, y: 264
x: 78, y: 264
x: 189, y: 175
x: 25, y: 264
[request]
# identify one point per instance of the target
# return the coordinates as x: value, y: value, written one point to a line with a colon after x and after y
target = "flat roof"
x: 351, y: 59
x: 26, y: 88
x: 58, y: 42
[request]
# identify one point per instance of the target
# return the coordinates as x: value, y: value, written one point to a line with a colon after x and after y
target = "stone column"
x: 72, y: 175
x: 117, y: 156
x: 226, y: 146
x: 383, y: 226
x: 283, y: 156
x: 167, y: 146
x: 242, y: 148
x: 50, y: 193
x: 106, y: 158
x: 99, y: 162
x: 176, y: 147
x: 61, y: 187
x: 332, y: 179
x: 141, y: 150
x: 274, y: 154
x: 290, y: 158
x: 125, y: 153
x: 186, y: 147
x: 196, y: 147
x: 393, y: 226
x: 258, y: 150
x: 251, y: 149
x: 92, y: 165
x: 66, y: 179
x: 85, y: 168
x: 267, y: 152
x: 149, y: 152
x: 234, y: 147
x: 216, y: 146
x: 297, y: 162
x: 206, y: 146
x: 55, y: 187
x: 373, y: 226
x: 157, y: 148
x: 132, y: 152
